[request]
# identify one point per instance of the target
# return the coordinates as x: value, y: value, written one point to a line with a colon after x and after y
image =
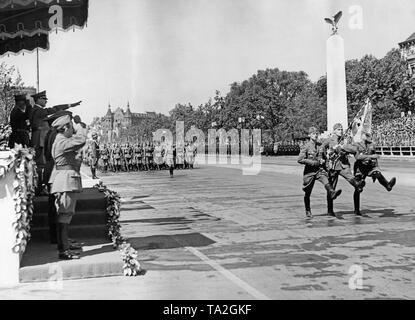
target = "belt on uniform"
x: 68, y: 167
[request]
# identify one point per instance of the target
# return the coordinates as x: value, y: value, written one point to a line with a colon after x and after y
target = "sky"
x: 157, y: 53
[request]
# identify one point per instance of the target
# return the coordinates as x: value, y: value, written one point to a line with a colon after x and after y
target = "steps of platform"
x: 41, y: 234
x: 89, y: 221
x: 80, y: 218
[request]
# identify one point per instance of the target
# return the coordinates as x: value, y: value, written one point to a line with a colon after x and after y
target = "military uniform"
x: 127, y: 157
x: 66, y: 179
x: 93, y: 157
x: 169, y: 158
x: 49, y: 164
x: 40, y: 128
x: 313, y: 157
x: 366, y: 165
x: 104, y: 155
x: 338, y: 164
x: 19, y: 122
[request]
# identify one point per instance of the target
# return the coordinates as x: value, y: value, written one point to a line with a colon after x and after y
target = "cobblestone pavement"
x: 213, y: 233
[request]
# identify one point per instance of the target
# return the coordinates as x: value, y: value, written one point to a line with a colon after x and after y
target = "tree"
x: 10, y: 83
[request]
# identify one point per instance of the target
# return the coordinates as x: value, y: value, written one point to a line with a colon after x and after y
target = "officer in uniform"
x: 65, y: 178
x: 105, y: 157
x: 49, y: 164
x: 338, y: 164
x: 366, y: 165
x: 19, y: 122
x: 313, y: 157
x: 94, y: 155
x: 40, y: 128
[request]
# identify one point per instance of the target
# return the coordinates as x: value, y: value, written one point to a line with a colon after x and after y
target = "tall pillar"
x: 336, y: 83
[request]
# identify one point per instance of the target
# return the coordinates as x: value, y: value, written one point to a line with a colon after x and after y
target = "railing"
x: 9, y: 260
x: 397, y: 151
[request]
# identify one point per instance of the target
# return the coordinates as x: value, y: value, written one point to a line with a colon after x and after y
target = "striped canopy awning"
x: 25, y: 24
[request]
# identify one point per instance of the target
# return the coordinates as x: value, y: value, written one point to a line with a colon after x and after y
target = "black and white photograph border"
x: 207, y: 150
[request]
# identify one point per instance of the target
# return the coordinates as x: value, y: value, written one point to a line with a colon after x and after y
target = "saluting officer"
x: 338, y: 163
x: 66, y: 179
x: 366, y: 165
x: 313, y: 157
x: 49, y: 164
x: 40, y: 128
x: 19, y: 122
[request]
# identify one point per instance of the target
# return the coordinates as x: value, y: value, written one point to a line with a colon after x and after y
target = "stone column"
x: 336, y: 83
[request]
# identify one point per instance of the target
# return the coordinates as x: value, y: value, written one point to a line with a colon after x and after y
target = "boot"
x: 63, y: 243
x: 171, y: 172
x: 385, y: 183
x: 52, y: 219
x: 307, y: 206
x: 356, y: 200
x: 333, y: 194
x: 330, y: 210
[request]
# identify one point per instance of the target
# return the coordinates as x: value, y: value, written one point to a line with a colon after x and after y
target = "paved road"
x: 213, y: 233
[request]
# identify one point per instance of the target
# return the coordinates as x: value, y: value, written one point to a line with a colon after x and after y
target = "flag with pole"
x: 362, y: 122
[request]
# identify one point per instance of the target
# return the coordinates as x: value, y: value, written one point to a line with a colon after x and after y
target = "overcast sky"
x: 156, y: 53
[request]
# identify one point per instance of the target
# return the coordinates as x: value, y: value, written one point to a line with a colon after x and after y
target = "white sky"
x: 156, y: 53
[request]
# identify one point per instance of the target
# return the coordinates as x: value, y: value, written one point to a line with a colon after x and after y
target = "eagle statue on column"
x: 333, y: 22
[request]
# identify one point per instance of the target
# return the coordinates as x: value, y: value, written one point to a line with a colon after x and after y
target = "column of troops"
x: 137, y: 157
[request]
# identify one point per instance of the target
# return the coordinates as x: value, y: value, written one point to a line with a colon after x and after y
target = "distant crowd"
x: 395, y: 132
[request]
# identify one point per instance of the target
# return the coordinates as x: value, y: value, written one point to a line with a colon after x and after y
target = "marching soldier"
x: 158, y: 155
x: 169, y: 158
x: 117, y: 151
x: 127, y: 156
x: 94, y: 155
x: 104, y: 155
x: 19, y: 122
x: 40, y: 128
x: 313, y: 157
x: 338, y: 164
x: 66, y: 179
x: 366, y: 165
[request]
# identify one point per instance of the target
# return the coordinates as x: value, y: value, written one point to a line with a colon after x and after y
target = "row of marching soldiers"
x: 138, y: 157
x: 326, y: 160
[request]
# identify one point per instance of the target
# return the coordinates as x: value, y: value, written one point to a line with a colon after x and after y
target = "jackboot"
x: 333, y: 194
x: 388, y: 185
x: 307, y: 206
x: 356, y: 200
x: 52, y: 219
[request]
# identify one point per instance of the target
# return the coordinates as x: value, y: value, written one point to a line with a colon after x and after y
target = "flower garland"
x: 24, y: 193
x: 131, y: 265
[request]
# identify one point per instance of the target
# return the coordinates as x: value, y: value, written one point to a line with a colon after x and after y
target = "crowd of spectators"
x: 399, y: 132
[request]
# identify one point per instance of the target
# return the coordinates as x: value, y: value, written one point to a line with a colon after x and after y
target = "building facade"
x: 408, y: 52
x: 113, y: 122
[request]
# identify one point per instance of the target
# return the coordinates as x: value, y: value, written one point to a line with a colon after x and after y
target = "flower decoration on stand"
x: 131, y: 265
x: 24, y: 193
x: 5, y: 132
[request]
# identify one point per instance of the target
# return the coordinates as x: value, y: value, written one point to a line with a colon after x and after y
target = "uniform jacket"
x: 342, y: 161
x: 64, y: 153
x: 94, y: 153
x: 40, y: 127
x: 364, y: 163
x: 310, y: 156
x: 19, y: 122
